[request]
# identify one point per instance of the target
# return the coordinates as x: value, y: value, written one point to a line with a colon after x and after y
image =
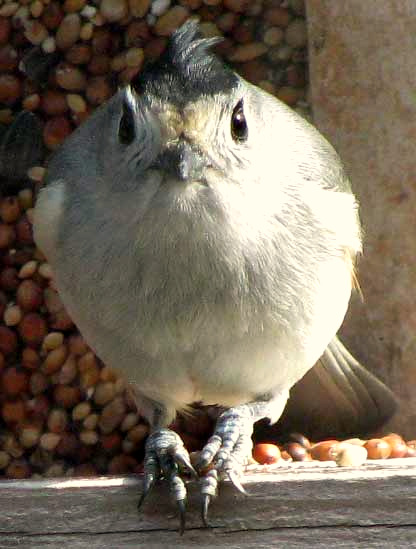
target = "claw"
x: 232, y: 475
x: 148, y: 484
x: 206, y: 499
x: 165, y: 455
x: 209, y: 486
x: 182, y: 515
x: 186, y: 463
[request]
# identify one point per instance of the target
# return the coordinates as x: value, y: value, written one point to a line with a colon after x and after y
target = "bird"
x: 203, y: 236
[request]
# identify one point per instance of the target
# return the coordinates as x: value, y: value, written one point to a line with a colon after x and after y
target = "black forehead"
x: 187, y: 69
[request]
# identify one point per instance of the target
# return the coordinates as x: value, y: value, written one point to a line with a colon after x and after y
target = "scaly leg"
x: 229, y: 449
x: 165, y: 454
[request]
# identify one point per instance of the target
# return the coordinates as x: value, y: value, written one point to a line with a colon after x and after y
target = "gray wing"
x: 337, y: 397
x: 21, y: 148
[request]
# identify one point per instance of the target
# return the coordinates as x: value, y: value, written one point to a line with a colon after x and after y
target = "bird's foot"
x: 166, y: 457
x: 226, y: 453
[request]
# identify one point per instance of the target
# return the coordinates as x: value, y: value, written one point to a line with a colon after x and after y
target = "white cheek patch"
x: 48, y: 212
x: 337, y: 212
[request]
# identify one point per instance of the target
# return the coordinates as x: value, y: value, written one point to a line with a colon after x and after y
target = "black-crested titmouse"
x: 203, y: 237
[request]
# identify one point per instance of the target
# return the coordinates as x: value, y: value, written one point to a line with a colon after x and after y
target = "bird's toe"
x: 166, y: 457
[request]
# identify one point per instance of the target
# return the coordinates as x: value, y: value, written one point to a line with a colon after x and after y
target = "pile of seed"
x: 346, y: 453
x: 61, y: 410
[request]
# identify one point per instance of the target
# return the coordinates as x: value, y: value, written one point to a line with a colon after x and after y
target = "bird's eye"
x: 126, y: 128
x: 239, y: 129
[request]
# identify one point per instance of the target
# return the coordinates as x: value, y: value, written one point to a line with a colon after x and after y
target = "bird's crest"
x: 187, y: 69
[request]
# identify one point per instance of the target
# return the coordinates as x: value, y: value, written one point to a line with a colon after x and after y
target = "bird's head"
x: 190, y: 131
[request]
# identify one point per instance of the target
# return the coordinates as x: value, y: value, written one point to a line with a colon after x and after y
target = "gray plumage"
x: 203, y: 239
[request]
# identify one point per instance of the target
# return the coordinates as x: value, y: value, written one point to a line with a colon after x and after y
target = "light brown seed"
x: 129, y: 421
x: 74, y: 5
x: 12, y: 315
x: 9, y: 9
x: 87, y: 30
x: 57, y: 420
x: 70, y: 77
x: 139, y: 8
x: 49, y: 441
x: 90, y: 422
x: 88, y: 437
x: 76, y: 102
x: 113, y: 10
x: 134, y: 57
x: 68, y: 32
x: 247, y: 52
x: 52, y: 341
x: 45, y: 271
x: 350, y: 455
x: 170, y: 20
x: 29, y: 436
x: 55, y: 359
x: 36, y: 8
x: 138, y: 432
x: 104, y: 393
x: 68, y: 372
x: 112, y: 415
x: 81, y: 411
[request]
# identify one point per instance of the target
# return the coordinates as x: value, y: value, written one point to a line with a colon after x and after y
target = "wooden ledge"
x: 301, y: 504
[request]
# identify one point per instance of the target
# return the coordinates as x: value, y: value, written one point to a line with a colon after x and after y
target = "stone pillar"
x: 363, y: 91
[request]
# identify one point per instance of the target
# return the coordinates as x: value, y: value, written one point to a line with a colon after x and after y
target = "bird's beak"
x: 182, y: 161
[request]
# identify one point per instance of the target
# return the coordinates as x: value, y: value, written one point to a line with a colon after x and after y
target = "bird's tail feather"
x: 337, y: 397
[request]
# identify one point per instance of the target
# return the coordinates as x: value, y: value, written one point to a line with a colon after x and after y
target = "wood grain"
x: 301, y: 505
